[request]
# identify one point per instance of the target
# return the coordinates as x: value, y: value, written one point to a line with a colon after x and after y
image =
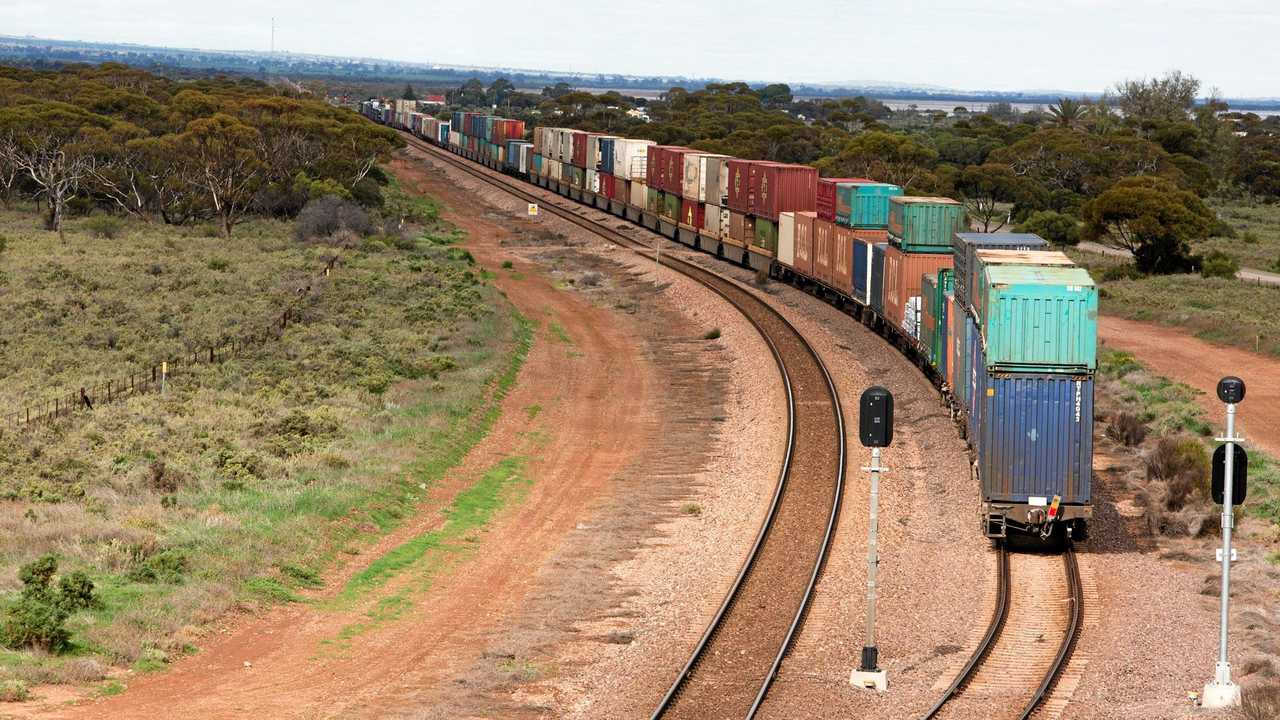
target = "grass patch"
x: 558, y: 330
x: 533, y: 410
x: 247, y: 478
x: 1257, y: 234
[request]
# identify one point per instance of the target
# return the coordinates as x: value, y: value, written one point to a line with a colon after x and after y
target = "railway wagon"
x: 1018, y: 378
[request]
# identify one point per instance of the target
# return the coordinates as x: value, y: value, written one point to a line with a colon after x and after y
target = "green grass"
x: 276, y: 462
x: 1257, y: 241
x: 1170, y: 408
x: 558, y: 330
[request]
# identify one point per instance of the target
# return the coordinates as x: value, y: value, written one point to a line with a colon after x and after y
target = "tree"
x: 119, y: 171
x: 984, y: 189
x: 1056, y: 227
x: 884, y: 156
x: 1255, y: 165
x: 9, y: 170
x: 1068, y: 112
x: 776, y: 95
x: 221, y: 160
x: 408, y: 93
x: 1153, y: 219
x: 1169, y: 97
x: 48, y: 152
x: 500, y: 91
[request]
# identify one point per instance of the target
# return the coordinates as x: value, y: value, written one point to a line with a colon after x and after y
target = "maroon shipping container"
x: 827, y: 195
x: 823, y: 239
x: 653, y: 160
x: 606, y: 185
x: 842, y: 252
x: 692, y: 213
x: 740, y: 172
x: 777, y: 188
x: 579, y: 149
x: 804, y: 243
x: 903, y: 273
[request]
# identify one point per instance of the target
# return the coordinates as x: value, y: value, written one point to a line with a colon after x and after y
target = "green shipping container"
x: 652, y: 200
x: 670, y: 207
x: 1039, y: 319
x: 766, y: 235
x: 933, y: 316
x: 925, y: 224
x: 865, y: 205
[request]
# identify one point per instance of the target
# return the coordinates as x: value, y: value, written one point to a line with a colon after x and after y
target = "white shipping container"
x: 593, y: 181
x: 639, y: 194
x: 556, y: 170
x: 630, y: 157
x: 711, y: 222
x: 787, y: 238
x: 455, y: 138
x: 703, y: 176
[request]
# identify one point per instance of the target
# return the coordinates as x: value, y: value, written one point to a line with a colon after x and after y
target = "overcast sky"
x: 1079, y: 45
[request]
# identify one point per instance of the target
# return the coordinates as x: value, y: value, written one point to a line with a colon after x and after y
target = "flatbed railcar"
x: 984, y: 403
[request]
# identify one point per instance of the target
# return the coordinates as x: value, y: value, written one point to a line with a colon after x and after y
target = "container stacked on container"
x: 921, y: 230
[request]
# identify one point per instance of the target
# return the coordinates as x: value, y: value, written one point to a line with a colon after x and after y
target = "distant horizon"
x: 901, y: 88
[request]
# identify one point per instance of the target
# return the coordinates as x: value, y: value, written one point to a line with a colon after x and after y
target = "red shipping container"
x: 740, y: 172
x: 827, y: 195
x: 579, y: 149
x: 823, y: 241
x: 606, y: 185
x: 653, y: 160
x: 781, y: 188
x: 621, y: 192
x: 692, y: 213
x: 842, y: 269
x: 903, y: 273
x: 804, y: 243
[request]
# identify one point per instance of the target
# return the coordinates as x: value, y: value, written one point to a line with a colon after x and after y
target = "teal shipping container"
x: 1039, y: 319
x: 933, y: 317
x: 925, y: 224
x: 865, y: 205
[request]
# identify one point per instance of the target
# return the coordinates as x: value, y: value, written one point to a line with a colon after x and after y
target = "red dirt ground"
x: 585, y: 435
x: 1179, y: 356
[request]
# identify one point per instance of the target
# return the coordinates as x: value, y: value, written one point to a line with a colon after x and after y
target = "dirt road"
x: 1201, y: 364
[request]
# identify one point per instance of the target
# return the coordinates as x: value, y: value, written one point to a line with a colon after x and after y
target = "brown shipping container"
x: 842, y: 250
x: 902, y: 282
x: 824, y: 235
x: 740, y: 174
x: 871, y: 236
x: 620, y: 191
x: 804, y: 243
x: 580, y: 148
x: 780, y: 188
x: 651, y: 163
x: 737, y: 229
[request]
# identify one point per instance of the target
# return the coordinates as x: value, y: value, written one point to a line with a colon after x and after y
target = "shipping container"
x: 903, y: 273
x: 777, y: 187
x: 1034, y: 434
x: 925, y: 224
x: 862, y: 269
x: 787, y: 239
x: 955, y: 329
x: 606, y: 185
x: 704, y: 177
x: 739, y: 184
x: 639, y: 195
x: 630, y: 158
x: 607, y: 145
x: 865, y: 205
x: 692, y: 213
x: 670, y: 207
x: 715, y: 222
x: 827, y: 191
x: 934, y: 294
x: 984, y: 258
x: 877, y: 277
x: 1040, y: 319
x: 653, y: 201
x: 824, y: 236
x: 965, y: 245
x: 804, y: 252
x: 594, y: 152
x: 737, y: 229
x: 842, y: 249
x: 765, y: 235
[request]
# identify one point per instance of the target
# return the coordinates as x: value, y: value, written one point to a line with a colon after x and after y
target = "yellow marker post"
x: 533, y: 209
x: 164, y: 373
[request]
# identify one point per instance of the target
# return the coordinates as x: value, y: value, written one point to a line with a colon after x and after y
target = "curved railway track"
x: 738, y: 656
x: 1017, y: 650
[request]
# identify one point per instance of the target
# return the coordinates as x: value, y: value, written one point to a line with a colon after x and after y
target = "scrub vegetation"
x: 1172, y: 439
x: 128, y: 527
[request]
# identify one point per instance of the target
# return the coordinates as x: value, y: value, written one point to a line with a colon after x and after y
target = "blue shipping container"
x: 1034, y: 433
x: 861, y: 271
x: 877, y: 277
x: 606, y: 153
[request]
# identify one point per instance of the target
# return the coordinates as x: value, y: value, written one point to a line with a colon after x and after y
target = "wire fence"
x: 83, y: 400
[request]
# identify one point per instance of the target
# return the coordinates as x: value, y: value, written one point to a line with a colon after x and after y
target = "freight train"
x: 1003, y: 325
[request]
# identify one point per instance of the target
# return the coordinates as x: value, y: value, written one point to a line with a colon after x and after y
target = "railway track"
x: 738, y: 656
x: 1033, y: 630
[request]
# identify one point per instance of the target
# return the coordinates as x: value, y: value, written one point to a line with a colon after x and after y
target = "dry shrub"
x: 1183, y: 465
x: 13, y: 691
x: 164, y: 479
x: 324, y: 216
x: 1126, y: 429
x: 1261, y: 703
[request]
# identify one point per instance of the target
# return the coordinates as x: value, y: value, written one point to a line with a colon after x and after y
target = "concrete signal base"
x: 1218, y: 696
x: 877, y: 680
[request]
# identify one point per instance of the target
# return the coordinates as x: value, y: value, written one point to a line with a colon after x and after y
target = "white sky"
x: 1080, y: 45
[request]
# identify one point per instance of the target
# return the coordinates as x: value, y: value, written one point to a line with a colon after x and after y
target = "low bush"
x: 14, y: 691
x: 167, y: 566
x: 1219, y: 264
x: 323, y: 217
x: 1261, y: 703
x: 1182, y: 464
x: 1127, y: 271
x: 1126, y: 429
x: 1058, y: 228
x: 37, y: 618
x: 712, y: 334
x: 105, y: 227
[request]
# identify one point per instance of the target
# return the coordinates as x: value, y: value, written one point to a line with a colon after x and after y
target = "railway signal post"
x: 875, y: 430
x: 1221, y: 692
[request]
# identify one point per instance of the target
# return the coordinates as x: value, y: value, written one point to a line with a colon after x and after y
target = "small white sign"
x: 1038, y: 501
x: 533, y: 209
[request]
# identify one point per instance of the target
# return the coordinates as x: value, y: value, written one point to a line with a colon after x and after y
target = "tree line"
x: 220, y: 149
x: 1131, y: 167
